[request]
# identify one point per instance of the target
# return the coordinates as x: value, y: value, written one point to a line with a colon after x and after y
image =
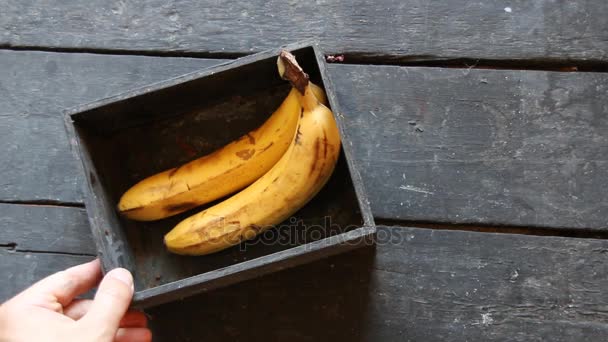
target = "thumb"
x: 111, y: 301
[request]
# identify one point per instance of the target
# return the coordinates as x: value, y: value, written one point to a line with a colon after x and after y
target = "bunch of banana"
x: 282, y: 165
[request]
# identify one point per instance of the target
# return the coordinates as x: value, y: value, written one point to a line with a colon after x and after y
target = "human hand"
x: 48, y: 310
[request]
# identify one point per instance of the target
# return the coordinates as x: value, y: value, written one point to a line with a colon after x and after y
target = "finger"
x: 132, y: 319
x: 78, y: 308
x: 111, y: 301
x: 133, y: 335
x: 63, y: 286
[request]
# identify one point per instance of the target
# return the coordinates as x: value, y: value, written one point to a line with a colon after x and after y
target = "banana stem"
x: 290, y: 70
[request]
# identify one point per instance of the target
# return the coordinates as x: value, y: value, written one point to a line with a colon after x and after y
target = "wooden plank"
x: 35, y: 88
x: 45, y: 229
x: 491, y: 147
x: 423, y: 284
x: 20, y: 270
x: 37, y: 240
x: 420, y: 285
x: 412, y: 29
x: 524, y: 148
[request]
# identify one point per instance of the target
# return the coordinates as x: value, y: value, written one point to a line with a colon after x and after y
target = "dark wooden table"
x: 484, y: 154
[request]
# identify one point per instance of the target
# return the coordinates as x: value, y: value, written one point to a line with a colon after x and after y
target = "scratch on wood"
x: 415, y: 189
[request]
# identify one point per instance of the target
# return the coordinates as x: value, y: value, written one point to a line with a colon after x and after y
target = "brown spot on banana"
x: 317, y: 157
x: 180, y: 206
x: 256, y: 228
x: 206, y: 241
x: 321, y: 173
x: 245, y: 154
x: 301, y: 112
x: 173, y: 171
x: 267, y: 147
x: 124, y: 212
x: 324, y: 144
x: 251, y: 138
x: 203, y: 234
x: 298, y: 139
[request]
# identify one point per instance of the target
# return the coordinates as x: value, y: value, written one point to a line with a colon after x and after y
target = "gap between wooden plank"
x: 535, y: 231
x: 562, y: 65
x: 122, y: 52
x: 548, y: 64
x: 13, y: 248
x: 47, y: 203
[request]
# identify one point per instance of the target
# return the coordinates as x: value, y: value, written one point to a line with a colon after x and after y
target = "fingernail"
x: 122, y: 275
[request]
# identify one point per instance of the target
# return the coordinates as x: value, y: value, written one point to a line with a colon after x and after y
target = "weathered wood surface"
x: 424, y: 286
x: 495, y: 147
x: 483, y: 147
x: 460, y: 146
x: 418, y: 284
x: 408, y: 30
x: 36, y: 87
x: 39, y: 228
x: 37, y: 240
x: 21, y: 269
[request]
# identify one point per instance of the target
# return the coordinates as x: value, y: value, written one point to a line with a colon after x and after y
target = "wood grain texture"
x: 418, y: 285
x: 410, y: 30
x: 484, y: 146
x: 480, y: 146
x: 45, y: 229
x: 20, y: 270
x: 35, y: 88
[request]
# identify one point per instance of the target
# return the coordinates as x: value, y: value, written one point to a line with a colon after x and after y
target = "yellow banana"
x: 220, y: 173
x: 288, y: 186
